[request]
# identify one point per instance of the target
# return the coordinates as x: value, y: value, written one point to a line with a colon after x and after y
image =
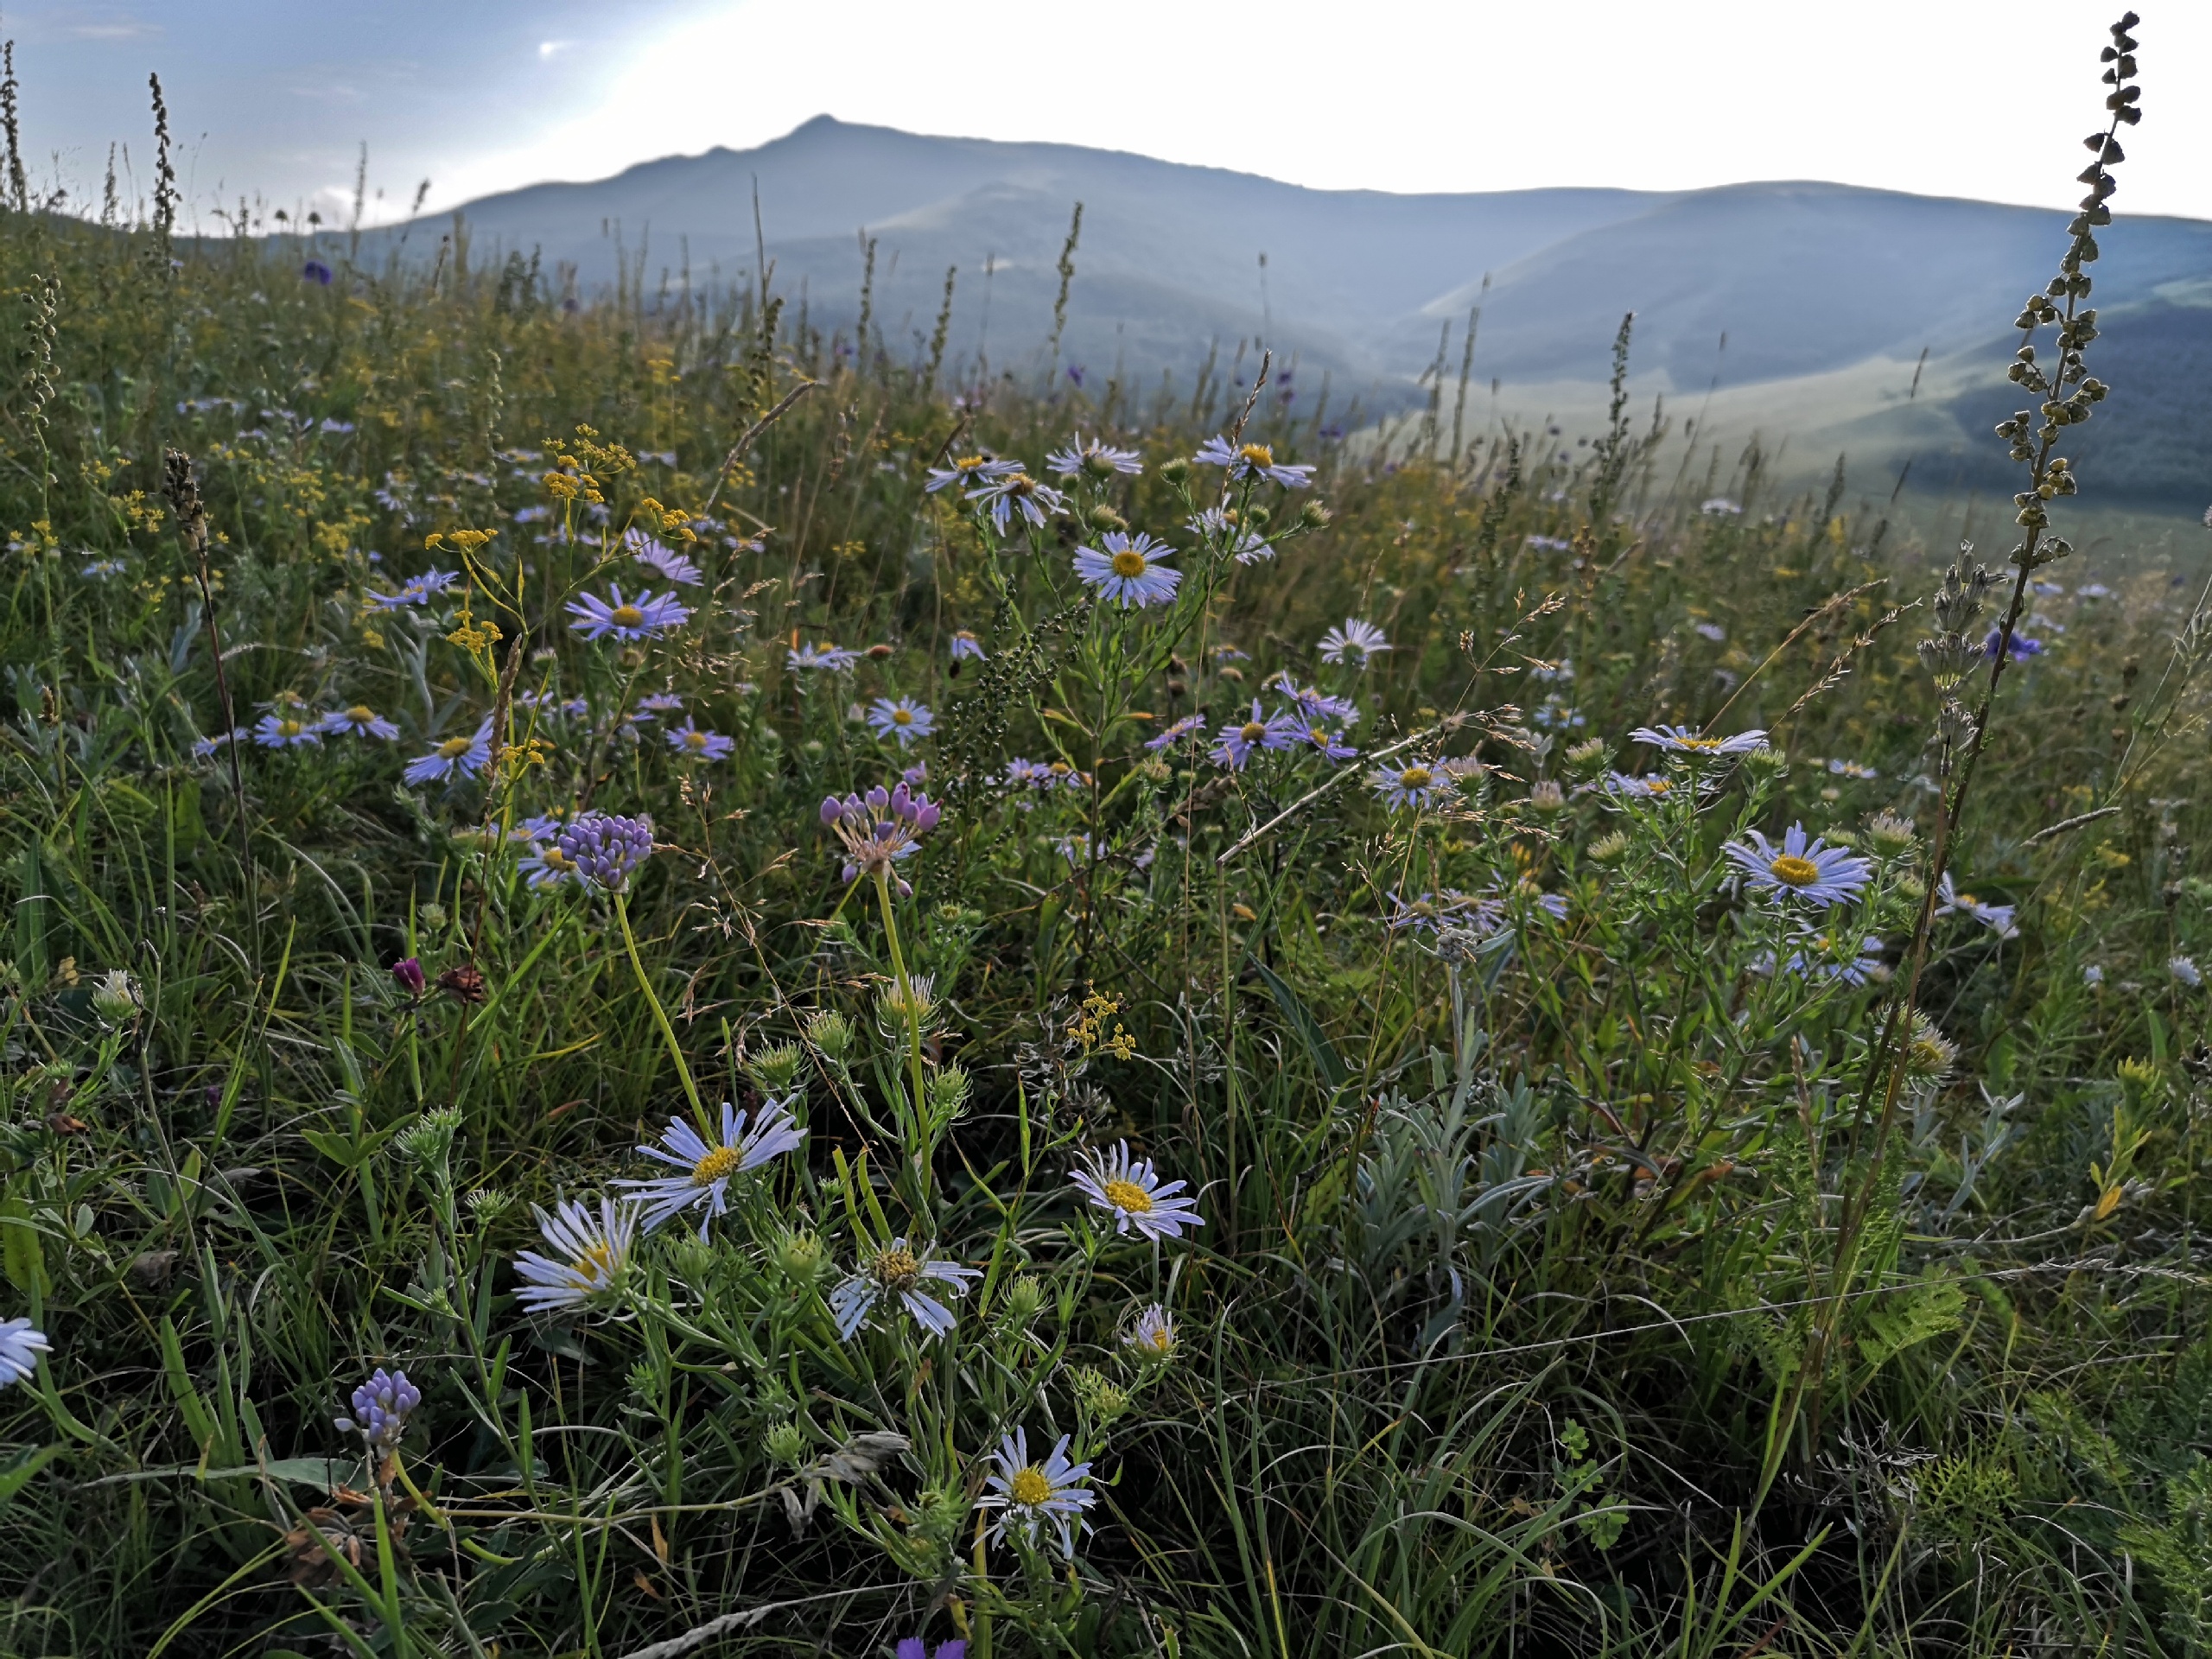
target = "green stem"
x: 660, y: 1019
x: 905, y: 992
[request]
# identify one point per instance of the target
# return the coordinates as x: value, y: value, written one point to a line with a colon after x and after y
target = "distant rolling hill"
x: 1827, y: 295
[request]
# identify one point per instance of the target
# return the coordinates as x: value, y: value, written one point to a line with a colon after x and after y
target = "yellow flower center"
x: 360, y: 714
x: 454, y: 747
x: 626, y: 616
x: 1253, y: 731
x: 1416, y: 777
x: 1698, y: 742
x: 1656, y: 785
x: 1129, y: 562
x: 1030, y: 1487
x: 1258, y: 454
x: 1793, y: 871
x: 1021, y: 484
x: 555, y: 859
x: 967, y: 463
x: 288, y: 729
x: 695, y: 740
x: 902, y: 716
x: 898, y: 1270
x: 1967, y: 900
x: 718, y: 1165
x: 594, y: 1266
x: 1128, y: 1196
x: 1161, y: 1340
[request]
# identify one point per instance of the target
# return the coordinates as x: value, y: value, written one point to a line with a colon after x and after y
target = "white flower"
x: 20, y: 1347
x: 1034, y: 1495
x: 1132, y: 1191
x: 1153, y: 1336
x: 2186, y: 972
x: 591, y: 1253
x: 706, y: 1170
x: 1355, y: 639
x: 897, y: 1270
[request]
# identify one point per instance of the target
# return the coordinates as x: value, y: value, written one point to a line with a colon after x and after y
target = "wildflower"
x: 2185, y: 972
x: 1711, y: 630
x: 707, y: 1171
x: 1356, y: 636
x: 1233, y: 745
x: 966, y: 646
x: 1313, y: 705
x: 546, y: 865
x: 1720, y: 506
x: 691, y: 741
x: 204, y: 746
x: 1819, y: 960
x: 2093, y: 975
x: 1034, y: 1495
x: 1331, y: 744
x: 1023, y: 774
x: 20, y: 1346
x: 1851, y: 769
x: 1415, y: 783
x: 913, y: 1647
x: 408, y: 970
x: 2021, y: 648
x: 666, y: 561
x: 287, y: 731
x: 1132, y: 1191
x: 1889, y: 832
x: 1130, y: 569
x: 901, y: 1272
x: 115, y: 997
x: 1176, y: 731
x: 2093, y: 590
x: 101, y: 569
x: 1231, y: 654
x: 1252, y: 460
x: 902, y: 718
x: 661, y: 703
x: 970, y: 472
x: 879, y: 828
x: 381, y: 1406
x: 1997, y: 918
x: 909, y: 1003
x: 1683, y: 739
x: 837, y: 658
x: 359, y: 720
x: 606, y: 847
x: 1246, y: 545
x: 1546, y: 796
x: 625, y: 620
x: 1155, y: 1335
x: 591, y: 1253
x: 1096, y: 459
x: 455, y: 758
x: 1810, y: 869
x: 1017, y: 492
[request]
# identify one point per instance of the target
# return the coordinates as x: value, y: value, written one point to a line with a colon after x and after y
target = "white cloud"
x: 549, y: 49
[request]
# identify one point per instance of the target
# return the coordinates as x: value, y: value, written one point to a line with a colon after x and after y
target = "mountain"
x: 1818, y: 288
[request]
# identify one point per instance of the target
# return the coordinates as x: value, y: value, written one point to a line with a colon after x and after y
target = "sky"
x: 272, y: 99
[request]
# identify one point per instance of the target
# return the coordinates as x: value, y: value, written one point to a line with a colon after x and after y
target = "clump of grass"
x: 1325, y: 1051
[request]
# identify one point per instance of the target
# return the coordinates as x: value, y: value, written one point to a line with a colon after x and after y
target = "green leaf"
x: 1326, y: 1057
x: 15, y: 1471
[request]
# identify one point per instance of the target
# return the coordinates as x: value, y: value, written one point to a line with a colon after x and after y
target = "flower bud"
x: 774, y: 1069
x: 786, y: 1444
x: 830, y: 1032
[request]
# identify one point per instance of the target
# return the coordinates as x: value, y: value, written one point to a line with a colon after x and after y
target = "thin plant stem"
x: 660, y: 1019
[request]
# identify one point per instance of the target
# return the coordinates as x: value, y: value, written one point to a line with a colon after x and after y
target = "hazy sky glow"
x: 272, y: 97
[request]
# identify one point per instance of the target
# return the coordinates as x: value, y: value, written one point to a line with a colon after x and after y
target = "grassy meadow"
x: 1262, y: 1120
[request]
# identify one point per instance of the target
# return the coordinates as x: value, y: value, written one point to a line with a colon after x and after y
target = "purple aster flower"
x: 1252, y: 460
x: 316, y: 272
x: 1130, y: 1189
x: 914, y: 1647
x: 649, y: 615
x: 408, y: 971
x: 971, y: 471
x: 455, y: 759
x: 699, y: 745
x: 1034, y: 1495
x: 654, y: 556
x: 20, y: 1347
x: 1017, y: 492
x: 966, y: 646
x: 1332, y: 744
x: 359, y: 720
x: 1684, y: 740
x: 1410, y: 783
x: 291, y: 729
x: 707, y: 1170
x: 1093, y: 458
x: 897, y: 1273
x: 1025, y: 773
x: 902, y: 719
x: 381, y: 1406
x: 1356, y: 642
x: 1223, y: 527
x: 606, y: 847
x: 1179, y: 730
x: 1234, y: 743
x: 2022, y: 648
x: 837, y: 660
x: 1130, y: 571
x: 661, y: 703
x: 546, y: 865
x: 1805, y: 867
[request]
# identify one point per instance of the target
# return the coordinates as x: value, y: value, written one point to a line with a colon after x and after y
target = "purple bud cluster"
x: 880, y: 826
x: 408, y: 971
x: 380, y: 1409
x: 607, y: 847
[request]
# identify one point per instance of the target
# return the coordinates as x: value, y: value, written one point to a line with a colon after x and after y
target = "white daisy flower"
x: 1037, y: 1494
x: 591, y: 1253
x: 1356, y: 640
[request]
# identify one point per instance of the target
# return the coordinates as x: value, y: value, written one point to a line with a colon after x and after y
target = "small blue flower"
x: 971, y: 471
x: 836, y: 659
x: 1176, y: 732
x: 605, y: 847
x: 1234, y: 743
x: 1356, y: 642
x: 965, y: 647
x: 654, y: 556
x: 689, y: 740
x: 381, y: 1407
x: 1095, y: 458
x: 1017, y: 492
x: 1130, y: 571
x: 902, y: 719
x: 1802, y: 867
x: 707, y: 1170
x: 455, y: 759
x: 292, y: 729
x: 1252, y: 460
x: 20, y: 1347
x: 625, y: 620
x: 359, y: 720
